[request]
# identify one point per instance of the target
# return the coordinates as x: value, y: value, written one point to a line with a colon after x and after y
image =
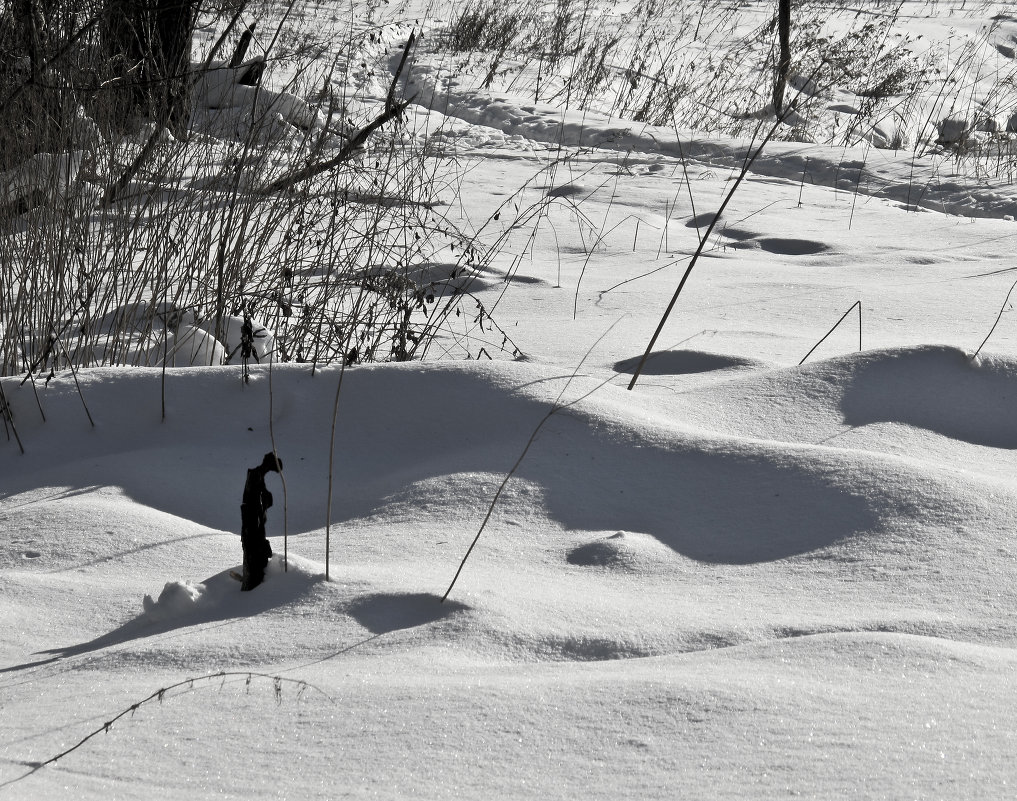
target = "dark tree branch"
x: 784, y: 57
x: 241, y: 50
x: 392, y: 110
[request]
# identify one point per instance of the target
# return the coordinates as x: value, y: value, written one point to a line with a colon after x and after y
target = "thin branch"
x: 699, y: 249
x: 999, y: 317
x: 392, y: 110
x: 77, y: 385
x: 857, y: 303
x: 556, y: 407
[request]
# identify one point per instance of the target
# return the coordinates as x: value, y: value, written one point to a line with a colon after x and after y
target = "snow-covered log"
x: 221, y: 88
x: 262, y: 344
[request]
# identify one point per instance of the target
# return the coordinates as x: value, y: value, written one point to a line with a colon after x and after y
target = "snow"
x: 43, y: 174
x: 237, y: 105
x: 745, y: 578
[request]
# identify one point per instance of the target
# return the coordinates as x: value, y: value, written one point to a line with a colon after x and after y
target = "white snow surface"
x: 746, y: 578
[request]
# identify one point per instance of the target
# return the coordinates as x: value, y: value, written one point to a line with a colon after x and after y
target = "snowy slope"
x: 653, y: 591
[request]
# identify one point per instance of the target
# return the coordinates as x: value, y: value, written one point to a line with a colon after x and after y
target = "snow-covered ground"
x: 744, y: 578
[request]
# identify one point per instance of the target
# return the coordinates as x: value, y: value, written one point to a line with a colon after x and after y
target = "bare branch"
x: 392, y: 110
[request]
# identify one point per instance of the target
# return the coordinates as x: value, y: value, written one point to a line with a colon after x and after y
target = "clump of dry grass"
x: 697, y: 65
x: 163, y: 251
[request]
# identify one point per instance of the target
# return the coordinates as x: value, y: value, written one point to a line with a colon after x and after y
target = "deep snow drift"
x: 714, y: 597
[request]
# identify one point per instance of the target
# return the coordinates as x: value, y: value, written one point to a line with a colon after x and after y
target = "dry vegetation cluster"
x: 283, y: 223
x: 270, y: 196
x: 707, y: 67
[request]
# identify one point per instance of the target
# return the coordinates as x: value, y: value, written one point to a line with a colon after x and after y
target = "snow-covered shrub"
x: 190, y: 346
x: 490, y: 26
x: 701, y: 66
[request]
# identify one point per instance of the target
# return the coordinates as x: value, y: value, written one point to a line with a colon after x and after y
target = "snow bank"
x: 220, y: 596
x: 898, y: 175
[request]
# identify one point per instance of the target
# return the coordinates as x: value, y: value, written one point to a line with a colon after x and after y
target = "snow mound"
x: 381, y: 613
x: 625, y: 550
x: 220, y: 596
x: 606, y: 465
x: 587, y: 648
x: 177, y: 598
x: 861, y: 648
x: 940, y: 389
x: 935, y: 389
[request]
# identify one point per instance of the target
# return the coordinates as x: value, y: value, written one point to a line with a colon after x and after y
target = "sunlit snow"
x: 744, y: 578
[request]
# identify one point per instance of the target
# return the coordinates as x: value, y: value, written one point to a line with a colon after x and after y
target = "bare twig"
x: 556, y: 407
x: 275, y: 453
x: 77, y: 385
x: 857, y: 303
x: 392, y: 110
x: 71, y: 41
x: 8, y: 416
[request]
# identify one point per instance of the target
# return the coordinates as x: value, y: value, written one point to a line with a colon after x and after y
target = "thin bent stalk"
x: 160, y: 695
x: 999, y: 316
x: 556, y: 407
x: 331, y: 470
x: 275, y: 453
x: 753, y: 155
x: 843, y: 317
